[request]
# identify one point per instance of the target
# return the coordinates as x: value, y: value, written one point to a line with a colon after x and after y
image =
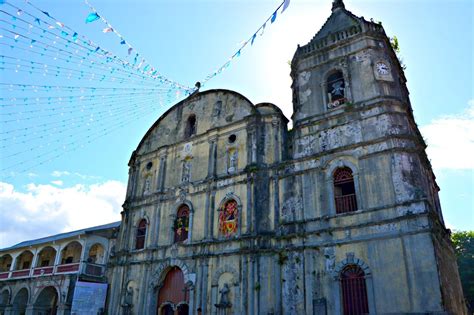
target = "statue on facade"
x: 224, y: 301
x: 128, y: 301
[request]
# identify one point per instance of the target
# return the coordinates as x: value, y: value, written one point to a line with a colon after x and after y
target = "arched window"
x: 181, y: 224
x: 354, y: 291
x: 141, y: 234
x: 344, y: 190
x: 190, y: 126
x: 336, y: 89
x: 228, y: 218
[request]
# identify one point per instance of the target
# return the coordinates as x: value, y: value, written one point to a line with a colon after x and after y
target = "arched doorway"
x: 20, y: 302
x: 173, y: 297
x: 47, y: 301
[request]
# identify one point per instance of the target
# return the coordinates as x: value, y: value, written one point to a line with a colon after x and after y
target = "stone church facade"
x: 229, y: 212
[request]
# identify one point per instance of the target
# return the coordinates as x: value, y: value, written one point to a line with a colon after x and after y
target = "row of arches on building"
x: 45, y: 302
x: 46, y: 257
x: 228, y: 222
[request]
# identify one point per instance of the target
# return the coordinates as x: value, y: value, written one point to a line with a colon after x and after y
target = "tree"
x: 463, y: 242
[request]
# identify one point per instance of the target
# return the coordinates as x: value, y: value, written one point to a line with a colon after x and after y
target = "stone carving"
x: 330, y: 258
x: 186, y: 176
x: 304, y: 95
x: 232, y: 161
x: 303, y: 78
x: 217, y: 109
x: 224, y: 300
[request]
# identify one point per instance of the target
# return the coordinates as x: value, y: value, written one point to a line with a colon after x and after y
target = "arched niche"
x: 20, y: 301
x: 24, y: 260
x: 96, y: 254
x: 46, y: 301
x: 71, y: 253
x: 46, y: 257
x: 5, y: 262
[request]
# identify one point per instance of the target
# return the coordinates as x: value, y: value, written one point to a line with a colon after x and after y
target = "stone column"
x: 206, y: 213
x: 277, y: 140
x: 204, y: 288
x: 190, y: 226
x: 156, y: 238
x: 212, y: 162
x: 162, y: 173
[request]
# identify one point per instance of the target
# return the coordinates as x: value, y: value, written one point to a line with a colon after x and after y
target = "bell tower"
x: 364, y: 169
x: 349, y: 62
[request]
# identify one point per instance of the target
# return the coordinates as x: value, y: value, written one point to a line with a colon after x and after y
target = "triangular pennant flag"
x: 74, y: 36
x: 60, y: 24
x: 285, y: 5
x: 274, y: 16
x: 122, y: 42
x: 92, y: 17
x: 130, y: 51
x: 253, y: 38
x: 107, y: 30
x: 46, y: 13
x: 37, y: 20
x: 263, y: 29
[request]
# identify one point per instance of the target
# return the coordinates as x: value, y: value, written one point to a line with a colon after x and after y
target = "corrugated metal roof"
x: 62, y: 236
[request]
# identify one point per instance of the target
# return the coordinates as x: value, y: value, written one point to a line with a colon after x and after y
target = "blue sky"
x: 187, y: 40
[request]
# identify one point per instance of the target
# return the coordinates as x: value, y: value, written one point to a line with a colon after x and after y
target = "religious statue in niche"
x: 181, y: 224
x: 232, y: 160
x: 186, y: 176
x: 224, y: 301
x: 147, y: 185
x: 228, y: 218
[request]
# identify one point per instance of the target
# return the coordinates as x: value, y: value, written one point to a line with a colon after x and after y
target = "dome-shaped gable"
x: 194, y: 116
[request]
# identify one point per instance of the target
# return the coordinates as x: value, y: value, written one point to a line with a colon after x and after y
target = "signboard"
x: 89, y: 298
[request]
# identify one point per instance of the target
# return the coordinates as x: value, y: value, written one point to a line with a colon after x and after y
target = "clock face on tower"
x: 382, y: 68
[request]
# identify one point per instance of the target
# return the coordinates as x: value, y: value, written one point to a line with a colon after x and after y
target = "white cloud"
x: 60, y: 173
x: 46, y: 209
x: 57, y: 182
x: 450, y: 140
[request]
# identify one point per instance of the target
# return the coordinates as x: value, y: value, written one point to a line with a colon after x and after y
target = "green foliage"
x: 396, y: 48
x: 463, y: 242
x: 395, y: 44
x: 257, y: 286
x: 282, y: 258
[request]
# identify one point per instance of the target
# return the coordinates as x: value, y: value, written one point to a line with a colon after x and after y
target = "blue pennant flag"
x: 92, y: 17
x: 46, y: 13
x: 285, y: 5
x: 122, y: 42
x: 253, y: 38
x: 37, y: 20
x: 74, y: 36
x: 274, y: 16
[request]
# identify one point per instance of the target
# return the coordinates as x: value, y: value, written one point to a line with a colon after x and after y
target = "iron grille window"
x: 141, y: 233
x: 181, y: 224
x: 336, y: 87
x: 354, y: 291
x: 344, y: 190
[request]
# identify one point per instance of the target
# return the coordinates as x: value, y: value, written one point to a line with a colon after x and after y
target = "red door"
x: 173, y: 294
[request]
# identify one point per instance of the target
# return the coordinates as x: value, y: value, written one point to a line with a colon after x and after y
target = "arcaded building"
x: 229, y: 212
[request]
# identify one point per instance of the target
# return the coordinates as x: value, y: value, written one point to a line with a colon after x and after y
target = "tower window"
x: 181, y: 224
x: 141, y: 234
x: 354, y: 290
x: 344, y: 190
x: 190, y: 126
x: 336, y: 89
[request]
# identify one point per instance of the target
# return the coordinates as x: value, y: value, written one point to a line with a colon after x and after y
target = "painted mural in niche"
x: 228, y: 218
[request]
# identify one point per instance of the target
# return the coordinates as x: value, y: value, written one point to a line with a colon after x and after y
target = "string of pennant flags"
x: 272, y: 18
x: 72, y: 90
